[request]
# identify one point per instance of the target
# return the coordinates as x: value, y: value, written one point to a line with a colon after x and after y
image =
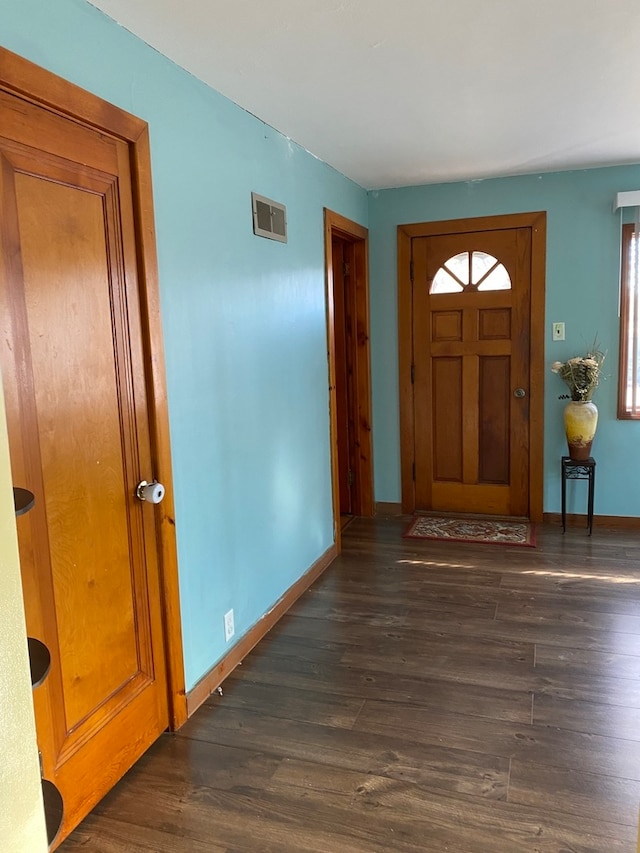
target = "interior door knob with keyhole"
x: 152, y: 492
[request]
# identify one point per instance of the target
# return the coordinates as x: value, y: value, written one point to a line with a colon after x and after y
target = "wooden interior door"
x: 344, y: 319
x: 346, y: 252
x: 75, y: 381
x: 471, y: 350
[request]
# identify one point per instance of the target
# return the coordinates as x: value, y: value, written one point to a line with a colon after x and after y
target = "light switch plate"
x: 558, y: 331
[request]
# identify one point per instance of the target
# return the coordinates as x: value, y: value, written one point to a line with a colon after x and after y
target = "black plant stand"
x: 572, y: 469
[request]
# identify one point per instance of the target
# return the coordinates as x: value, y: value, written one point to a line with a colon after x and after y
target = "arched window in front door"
x: 470, y: 271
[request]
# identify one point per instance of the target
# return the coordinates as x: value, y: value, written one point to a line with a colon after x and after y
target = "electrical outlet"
x: 229, y: 628
x: 558, y: 331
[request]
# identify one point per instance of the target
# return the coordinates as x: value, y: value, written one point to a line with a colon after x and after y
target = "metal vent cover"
x: 269, y: 218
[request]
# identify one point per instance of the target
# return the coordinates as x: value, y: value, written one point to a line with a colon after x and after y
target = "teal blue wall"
x: 583, y: 259
x: 244, y: 319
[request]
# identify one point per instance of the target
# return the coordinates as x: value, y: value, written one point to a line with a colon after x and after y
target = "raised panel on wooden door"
x: 448, y: 414
x: 75, y: 385
x: 494, y: 324
x: 494, y: 450
x: 446, y: 326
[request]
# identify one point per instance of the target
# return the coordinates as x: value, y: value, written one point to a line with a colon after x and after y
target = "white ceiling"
x: 401, y: 92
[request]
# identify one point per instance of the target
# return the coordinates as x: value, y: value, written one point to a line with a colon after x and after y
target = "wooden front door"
x: 76, y: 386
x: 471, y: 356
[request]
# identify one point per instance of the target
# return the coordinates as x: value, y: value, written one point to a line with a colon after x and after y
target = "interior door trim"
x: 20, y: 77
x: 537, y: 222
x: 339, y: 226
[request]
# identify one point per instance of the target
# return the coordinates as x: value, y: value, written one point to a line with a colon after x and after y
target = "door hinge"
x: 413, y: 471
x: 411, y: 270
x: 351, y: 478
x: 41, y: 764
x: 413, y: 374
x: 346, y: 269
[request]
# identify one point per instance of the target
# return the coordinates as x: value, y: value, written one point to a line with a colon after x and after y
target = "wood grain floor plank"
x: 534, y: 631
x: 515, y: 670
x: 569, y: 600
x: 206, y: 764
x: 597, y: 797
x: 290, y: 703
x: 579, y: 751
x: 412, y: 570
x: 409, y: 639
x: 449, y: 623
x: 383, y: 754
x: 397, y: 593
x: 596, y: 688
x: 547, y: 610
x: 446, y: 822
x: 469, y: 698
x: 588, y: 662
x: 104, y: 834
x: 617, y: 592
x: 254, y: 820
x: 353, y: 608
x: 613, y: 721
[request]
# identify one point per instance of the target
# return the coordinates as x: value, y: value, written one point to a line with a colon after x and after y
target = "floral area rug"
x: 485, y: 531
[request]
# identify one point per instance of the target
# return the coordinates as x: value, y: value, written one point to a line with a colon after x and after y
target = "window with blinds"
x: 629, y: 378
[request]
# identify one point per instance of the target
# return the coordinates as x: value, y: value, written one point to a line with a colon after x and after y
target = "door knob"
x: 152, y: 492
x: 519, y: 392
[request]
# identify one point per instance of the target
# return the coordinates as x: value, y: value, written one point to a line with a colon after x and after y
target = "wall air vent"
x: 269, y: 218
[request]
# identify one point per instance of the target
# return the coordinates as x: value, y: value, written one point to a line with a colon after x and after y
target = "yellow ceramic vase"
x: 580, y: 422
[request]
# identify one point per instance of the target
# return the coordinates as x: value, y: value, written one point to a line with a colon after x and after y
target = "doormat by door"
x: 482, y: 530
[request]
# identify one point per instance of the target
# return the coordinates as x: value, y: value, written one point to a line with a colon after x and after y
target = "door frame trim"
x: 336, y: 225
x: 537, y: 222
x: 19, y: 76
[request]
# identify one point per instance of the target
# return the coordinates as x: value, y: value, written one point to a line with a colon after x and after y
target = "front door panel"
x: 471, y: 314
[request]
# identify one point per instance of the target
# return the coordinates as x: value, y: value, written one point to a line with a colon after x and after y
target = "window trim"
x: 625, y: 412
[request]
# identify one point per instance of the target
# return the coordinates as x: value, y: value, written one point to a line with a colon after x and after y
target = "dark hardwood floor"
x: 422, y: 696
